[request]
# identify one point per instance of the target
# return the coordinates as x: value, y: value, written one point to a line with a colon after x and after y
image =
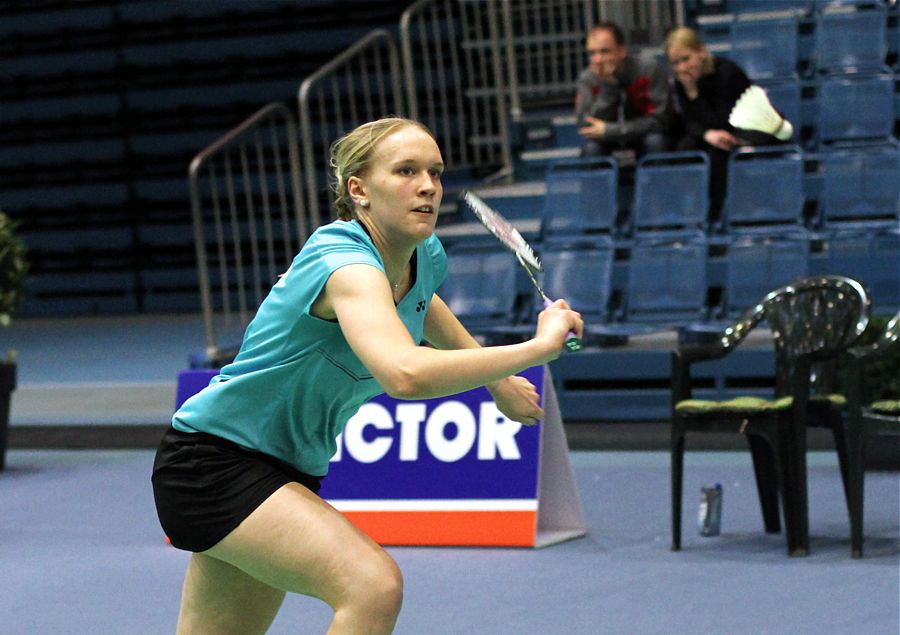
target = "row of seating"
x: 834, y: 39
x: 846, y: 185
x: 659, y: 283
x: 105, y: 105
x: 828, y: 111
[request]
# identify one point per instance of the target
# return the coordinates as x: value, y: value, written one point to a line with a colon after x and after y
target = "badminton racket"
x: 512, y: 239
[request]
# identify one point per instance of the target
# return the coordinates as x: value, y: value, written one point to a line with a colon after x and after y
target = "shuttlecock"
x: 754, y: 111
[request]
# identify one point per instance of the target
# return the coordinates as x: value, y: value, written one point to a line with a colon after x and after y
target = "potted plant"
x: 13, y: 269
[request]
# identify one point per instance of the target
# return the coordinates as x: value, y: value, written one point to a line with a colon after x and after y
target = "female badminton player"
x: 236, y: 475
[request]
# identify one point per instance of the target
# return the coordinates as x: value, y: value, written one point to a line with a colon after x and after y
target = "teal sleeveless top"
x: 295, y: 381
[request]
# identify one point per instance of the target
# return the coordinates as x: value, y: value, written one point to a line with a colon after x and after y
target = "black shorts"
x: 205, y: 486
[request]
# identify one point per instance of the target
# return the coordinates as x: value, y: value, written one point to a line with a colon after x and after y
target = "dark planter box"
x: 7, y: 386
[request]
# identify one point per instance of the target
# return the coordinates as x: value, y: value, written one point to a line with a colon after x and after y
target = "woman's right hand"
x: 721, y: 139
x: 554, y: 325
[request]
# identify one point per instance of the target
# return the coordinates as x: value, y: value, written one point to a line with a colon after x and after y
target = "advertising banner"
x: 452, y: 471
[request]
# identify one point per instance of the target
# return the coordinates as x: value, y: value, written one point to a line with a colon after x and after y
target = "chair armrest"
x: 682, y: 358
x: 701, y: 353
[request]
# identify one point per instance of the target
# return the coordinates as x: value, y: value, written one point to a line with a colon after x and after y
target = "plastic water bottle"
x: 709, y: 516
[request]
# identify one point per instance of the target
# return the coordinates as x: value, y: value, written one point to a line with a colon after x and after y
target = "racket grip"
x: 573, y: 342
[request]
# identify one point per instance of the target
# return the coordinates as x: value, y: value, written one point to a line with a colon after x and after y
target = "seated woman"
x: 704, y: 90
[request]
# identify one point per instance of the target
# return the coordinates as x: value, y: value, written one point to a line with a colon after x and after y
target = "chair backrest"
x: 581, y: 274
x: 582, y: 197
x: 860, y: 184
x: 757, y: 264
x: 765, y: 188
x: 850, y: 38
x: 667, y: 279
x: 765, y: 48
x: 819, y: 316
x: 856, y: 107
x: 671, y: 190
x: 480, y: 287
x: 890, y: 337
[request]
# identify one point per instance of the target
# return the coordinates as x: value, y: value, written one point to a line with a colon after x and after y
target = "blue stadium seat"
x: 757, y: 264
x: 861, y: 185
x: 765, y: 189
x: 667, y: 282
x: 481, y: 287
x: 850, y: 39
x: 581, y: 198
x: 873, y: 258
x: 578, y: 271
x: 581, y: 273
x: 765, y: 48
x: 671, y: 191
x: 856, y: 107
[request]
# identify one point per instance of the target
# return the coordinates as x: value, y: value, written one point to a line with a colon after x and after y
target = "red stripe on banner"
x: 463, y: 528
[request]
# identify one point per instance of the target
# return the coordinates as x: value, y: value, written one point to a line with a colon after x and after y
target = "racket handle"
x: 573, y: 342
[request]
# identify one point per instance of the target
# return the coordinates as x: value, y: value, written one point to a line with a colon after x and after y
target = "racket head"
x: 503, y: 231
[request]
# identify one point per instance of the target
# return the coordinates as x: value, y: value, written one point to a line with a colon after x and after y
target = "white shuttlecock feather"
x: 754, y: 111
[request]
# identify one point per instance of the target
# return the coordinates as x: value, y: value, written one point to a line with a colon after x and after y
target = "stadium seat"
x: 756, y: 264
x: 870, y: 256
x: 850, y: 38
x: 856, y: 107
x: 481, y: 287
x: 578, y: 271
x: 671, y: 191
x: 667, y: 283
x: 765, y: 189
x: 765, y: 48
x: 861, y: 185
x: 581, y: 198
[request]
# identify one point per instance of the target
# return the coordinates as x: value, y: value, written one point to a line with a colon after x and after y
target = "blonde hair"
x: 688, y: 38
x: 351, y: 155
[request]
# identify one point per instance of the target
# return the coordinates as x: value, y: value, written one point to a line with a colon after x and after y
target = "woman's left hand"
x: 517, y: 398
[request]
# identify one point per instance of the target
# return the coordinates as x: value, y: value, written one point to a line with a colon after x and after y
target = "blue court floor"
x: 82, y: 553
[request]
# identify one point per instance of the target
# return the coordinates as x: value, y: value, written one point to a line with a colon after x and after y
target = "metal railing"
x: 471, y: 66
x: 246, y: 201
x: 359, y: 85
x: 454, y: 78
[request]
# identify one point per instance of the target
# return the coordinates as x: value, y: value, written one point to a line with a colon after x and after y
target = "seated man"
x: 621, y: 99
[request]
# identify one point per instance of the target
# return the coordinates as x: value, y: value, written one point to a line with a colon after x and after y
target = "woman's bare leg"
x: 295, y: 542
x: 220, y: 599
